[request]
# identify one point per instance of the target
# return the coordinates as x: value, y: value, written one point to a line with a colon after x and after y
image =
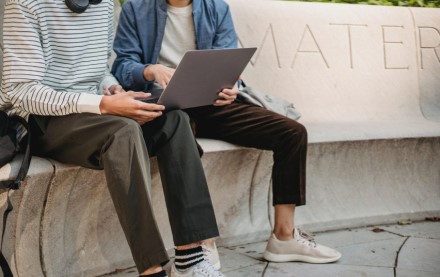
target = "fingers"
x: 226, y: 97
x: 146, y: 116
x: 118, y: 89
x: 105, y: 90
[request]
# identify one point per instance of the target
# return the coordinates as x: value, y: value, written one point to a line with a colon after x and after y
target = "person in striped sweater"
x: 55, y: 75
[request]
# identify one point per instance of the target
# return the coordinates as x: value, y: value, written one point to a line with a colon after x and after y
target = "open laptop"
x: 200, y: 76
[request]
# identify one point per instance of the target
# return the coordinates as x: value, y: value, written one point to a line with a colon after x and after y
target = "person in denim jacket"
x: 150, y: 41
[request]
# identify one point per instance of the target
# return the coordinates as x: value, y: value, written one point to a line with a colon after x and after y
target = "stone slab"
x: 428, y: 230
x: 420, y: 254
x: 427, y: 31
x: 377, y: 181
x: 414, y: 273
x: 367, y: 60
x: 353, y: 237
x: 233, y: 261
x: 328, y: 270
x: 375, y: 253
x: 253, y: 250
x: 254, y: 271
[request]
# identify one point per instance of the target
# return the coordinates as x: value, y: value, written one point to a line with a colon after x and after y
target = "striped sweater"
x: 55, y: 61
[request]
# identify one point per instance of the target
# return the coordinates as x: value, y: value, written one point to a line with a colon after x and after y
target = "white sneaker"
x: 302, y: 248
x: 211, y: 254
x: 202, y: 269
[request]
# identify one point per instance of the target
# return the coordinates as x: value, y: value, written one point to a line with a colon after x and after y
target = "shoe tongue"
x: 296, y: 233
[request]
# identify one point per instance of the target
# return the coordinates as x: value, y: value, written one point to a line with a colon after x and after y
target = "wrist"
x: 149, y: 72
x: 103, y: 105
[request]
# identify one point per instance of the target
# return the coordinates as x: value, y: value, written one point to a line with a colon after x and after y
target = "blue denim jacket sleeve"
x: 128, y: 67
x: 225, y: 35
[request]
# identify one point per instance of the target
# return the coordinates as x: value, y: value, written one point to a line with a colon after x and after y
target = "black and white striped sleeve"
x: 24, y: 67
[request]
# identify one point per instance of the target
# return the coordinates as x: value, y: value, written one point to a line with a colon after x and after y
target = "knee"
x: 177, y: 116
x: 176, y: 119
x: 123, y: 126
x: 296, y: 133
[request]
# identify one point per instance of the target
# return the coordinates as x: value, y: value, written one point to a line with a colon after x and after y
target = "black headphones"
x: 79, y: 6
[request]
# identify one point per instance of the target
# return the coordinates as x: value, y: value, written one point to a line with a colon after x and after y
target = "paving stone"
x: 253, y: 250
x: 415, y: 273
x: 429, y: 230
x: 327, y: 270
x: 251, y: 271
x: 420, y: 254
x: 232, y: 261
x: 376, y: 253
x: 352, y: 237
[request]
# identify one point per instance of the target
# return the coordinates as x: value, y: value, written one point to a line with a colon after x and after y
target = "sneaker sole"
x: 279, y: 258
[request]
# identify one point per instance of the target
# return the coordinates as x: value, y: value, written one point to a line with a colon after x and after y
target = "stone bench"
x: 366, y: 80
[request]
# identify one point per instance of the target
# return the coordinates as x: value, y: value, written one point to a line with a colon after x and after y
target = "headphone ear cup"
x: 95, y: 2
x: 77, y: 6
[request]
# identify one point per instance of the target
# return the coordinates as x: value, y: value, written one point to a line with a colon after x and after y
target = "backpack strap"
x: 14, y: 185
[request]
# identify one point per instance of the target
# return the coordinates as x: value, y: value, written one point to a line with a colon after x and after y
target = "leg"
x: 190, y: 210
x: 189, y: 205
x: 116, y: 145
x: 252, y: 126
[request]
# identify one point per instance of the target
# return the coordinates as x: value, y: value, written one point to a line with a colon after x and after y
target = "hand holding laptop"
x: 227, y: 96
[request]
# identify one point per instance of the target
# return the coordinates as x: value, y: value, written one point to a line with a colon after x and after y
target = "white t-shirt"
x: 179, y: 36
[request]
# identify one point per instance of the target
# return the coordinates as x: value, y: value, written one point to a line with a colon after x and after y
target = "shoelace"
x: 308, y: 237
x: 207, y: 269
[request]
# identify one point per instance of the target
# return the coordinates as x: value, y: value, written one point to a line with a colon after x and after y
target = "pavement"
x: 402, y: 250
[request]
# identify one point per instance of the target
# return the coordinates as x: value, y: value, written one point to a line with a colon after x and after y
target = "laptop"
x: 200, y: 76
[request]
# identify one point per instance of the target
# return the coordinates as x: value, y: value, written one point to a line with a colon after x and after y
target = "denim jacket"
x: 141, y: 29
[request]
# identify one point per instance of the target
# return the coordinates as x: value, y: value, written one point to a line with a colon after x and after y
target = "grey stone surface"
x: 420, y: 254
x: 253, y: 250
x: 371, y: 86
x: 80, y: 232
x: 245, y: 260
x: 414, y: 273
x: 353, y: 237
x: 364, y: 57
x: 233, y: 261
x: 330, y: 270
x: 427, y: 27
x: 370, y: 182
x: 375, y: 253
x: 429, y: 230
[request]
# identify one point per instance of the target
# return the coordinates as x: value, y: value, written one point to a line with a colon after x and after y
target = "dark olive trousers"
x: 252, y: 126
x: 119, y: 146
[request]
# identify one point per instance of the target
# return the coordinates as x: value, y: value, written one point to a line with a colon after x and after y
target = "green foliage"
x: 404, y: 3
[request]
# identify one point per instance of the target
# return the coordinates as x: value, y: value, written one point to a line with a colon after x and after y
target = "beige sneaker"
x: 211, y: 254
x: 302, y: 248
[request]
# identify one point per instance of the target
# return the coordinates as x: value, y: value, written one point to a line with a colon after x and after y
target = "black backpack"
x: 9, y: 147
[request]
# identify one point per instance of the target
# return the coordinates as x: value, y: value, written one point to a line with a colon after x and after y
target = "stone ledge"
x: 64, y: 222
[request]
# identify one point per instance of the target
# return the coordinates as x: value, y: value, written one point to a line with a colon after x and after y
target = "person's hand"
x: 227, y: 96
x: 125, y: 104
x: 113, y: 89
x: 159, y: 73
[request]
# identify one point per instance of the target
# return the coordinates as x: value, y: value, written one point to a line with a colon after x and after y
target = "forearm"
x: 39, y: 99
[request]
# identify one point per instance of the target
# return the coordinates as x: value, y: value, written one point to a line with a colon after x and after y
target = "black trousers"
x: 119, y: 146
x: 252, y: 126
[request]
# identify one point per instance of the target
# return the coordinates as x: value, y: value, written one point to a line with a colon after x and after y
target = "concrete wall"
x: 366, y: 81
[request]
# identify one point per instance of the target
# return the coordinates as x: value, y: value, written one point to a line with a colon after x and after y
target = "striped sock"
x: 188, y: 258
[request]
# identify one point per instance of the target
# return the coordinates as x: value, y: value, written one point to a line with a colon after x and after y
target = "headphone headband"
x: 80, y: 6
